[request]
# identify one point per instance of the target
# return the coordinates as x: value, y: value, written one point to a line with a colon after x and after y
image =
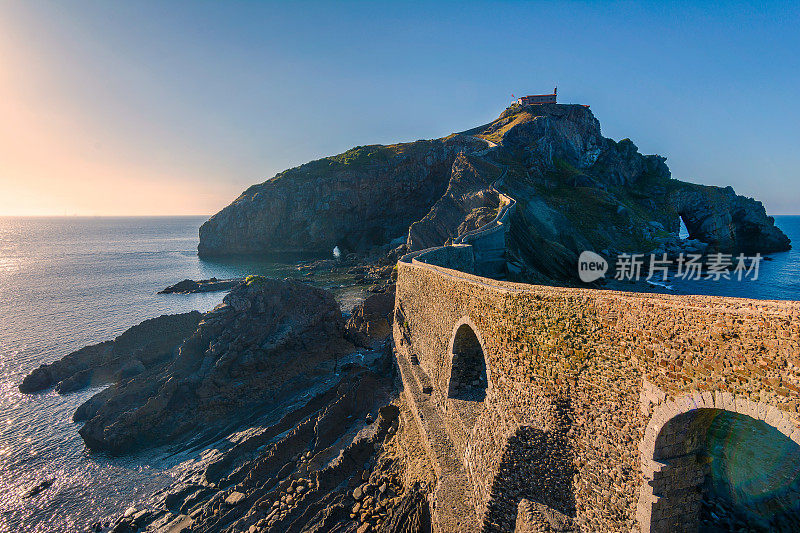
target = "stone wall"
x: 489, y: 242
x: 460, y: 257
x: 581, y: 383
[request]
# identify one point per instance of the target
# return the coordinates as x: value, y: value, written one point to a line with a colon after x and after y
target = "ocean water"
x: 65, y: 283
x: 69, y: 282
x: 778, y: 273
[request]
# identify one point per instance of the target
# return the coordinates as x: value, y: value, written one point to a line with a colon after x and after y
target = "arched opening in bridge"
x: 724, y: 471
x: 468, y: 378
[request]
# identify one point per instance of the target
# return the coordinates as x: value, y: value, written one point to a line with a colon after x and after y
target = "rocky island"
x: 190, y: 286
x: 575, y: 190
x: 448, y: 400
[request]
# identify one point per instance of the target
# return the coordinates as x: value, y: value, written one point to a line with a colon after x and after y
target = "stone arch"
x: 697, y: 452
x: 469, y: 378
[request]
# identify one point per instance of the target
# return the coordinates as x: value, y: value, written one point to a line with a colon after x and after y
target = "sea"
x: 66, y: 282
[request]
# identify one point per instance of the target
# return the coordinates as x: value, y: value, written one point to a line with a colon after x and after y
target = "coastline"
x: 308, y: 271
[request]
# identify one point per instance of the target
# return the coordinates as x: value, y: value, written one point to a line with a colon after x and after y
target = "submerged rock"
x: 39, y: 488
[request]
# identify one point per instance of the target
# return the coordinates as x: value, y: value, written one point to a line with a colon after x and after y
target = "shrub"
x: 255, y: 280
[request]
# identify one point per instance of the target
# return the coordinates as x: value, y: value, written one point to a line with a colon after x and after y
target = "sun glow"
x: 58, y: 159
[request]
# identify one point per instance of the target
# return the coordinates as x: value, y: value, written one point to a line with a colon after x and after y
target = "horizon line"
x: 207, y: 215
x: 104, y: 216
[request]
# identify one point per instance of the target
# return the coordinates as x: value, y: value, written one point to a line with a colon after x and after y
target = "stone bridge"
x: 561, y: 409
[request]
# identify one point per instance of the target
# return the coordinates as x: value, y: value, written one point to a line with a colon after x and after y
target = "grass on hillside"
x: 499, y: 128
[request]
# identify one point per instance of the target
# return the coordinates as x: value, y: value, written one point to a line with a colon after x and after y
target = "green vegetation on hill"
x: 255, y: 280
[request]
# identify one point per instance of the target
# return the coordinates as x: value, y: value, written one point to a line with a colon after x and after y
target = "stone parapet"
x: 582, y: 383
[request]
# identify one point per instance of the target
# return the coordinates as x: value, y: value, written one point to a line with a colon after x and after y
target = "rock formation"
x: 141, y: 347
x: 301, y: 430
x: 189, y: 286
x: 330, y: 465
x: 469, y: 202
x: 727, y: 222
x: 267, y: 339
x: 575, y: 190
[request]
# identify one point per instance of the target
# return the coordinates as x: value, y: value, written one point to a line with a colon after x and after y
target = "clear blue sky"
x: 176, y: 107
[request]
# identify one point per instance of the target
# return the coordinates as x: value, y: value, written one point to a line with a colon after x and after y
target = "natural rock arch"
x: 718, y: 454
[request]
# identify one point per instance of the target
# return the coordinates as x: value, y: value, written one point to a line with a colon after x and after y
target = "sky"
x: 174, y: 108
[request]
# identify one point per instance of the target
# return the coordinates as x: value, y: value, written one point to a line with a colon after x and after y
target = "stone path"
x: 452, y: 495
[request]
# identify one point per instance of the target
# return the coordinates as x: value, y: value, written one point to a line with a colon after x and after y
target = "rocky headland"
x: 144, y: 347
x: 575, y: 190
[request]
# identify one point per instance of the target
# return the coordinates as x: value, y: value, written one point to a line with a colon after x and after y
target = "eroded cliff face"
x: 364, y: 197
x: 469, y: 202
x: 575, y: 190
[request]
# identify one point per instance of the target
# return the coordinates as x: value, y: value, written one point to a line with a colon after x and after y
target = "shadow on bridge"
x: 537, y: 468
